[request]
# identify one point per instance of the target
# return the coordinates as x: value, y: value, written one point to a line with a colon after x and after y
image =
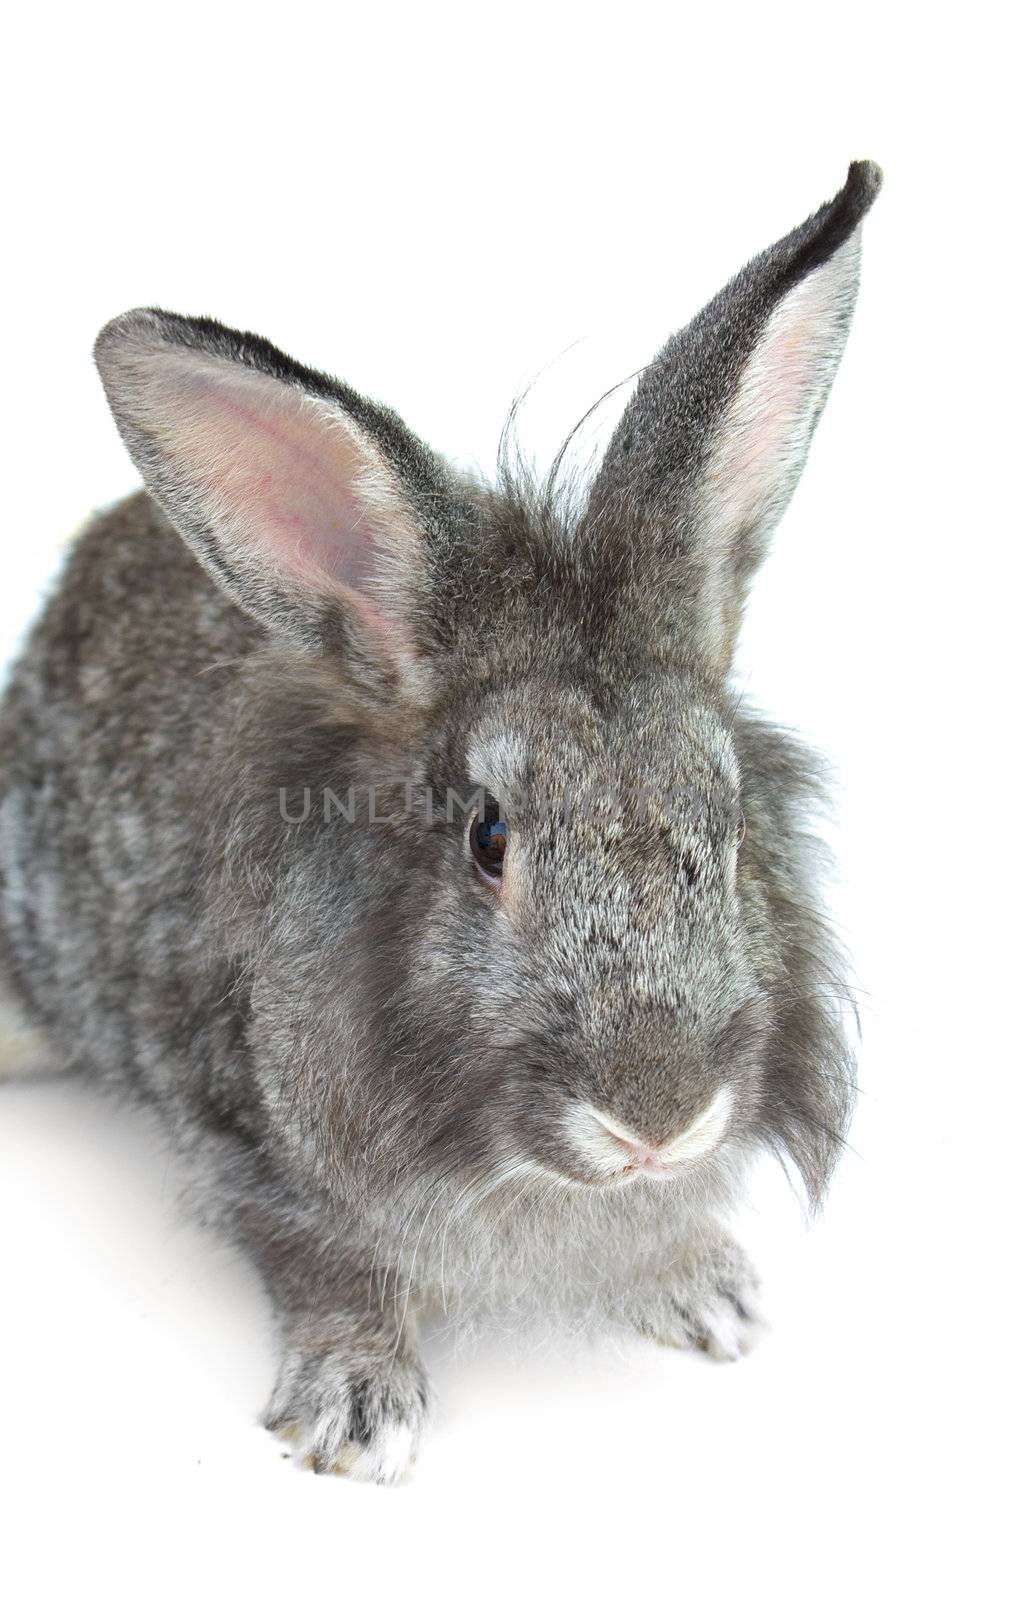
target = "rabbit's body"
x: 235, y: 880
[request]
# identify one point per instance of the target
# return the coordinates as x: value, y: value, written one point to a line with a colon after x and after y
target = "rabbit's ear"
x: 712, y: 443
x: 299, y: 497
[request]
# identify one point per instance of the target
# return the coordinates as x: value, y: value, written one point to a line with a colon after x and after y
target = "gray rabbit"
x: 401, y: 839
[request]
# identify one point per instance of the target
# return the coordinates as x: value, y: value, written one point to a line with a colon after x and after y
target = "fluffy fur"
x: 377, y: 1054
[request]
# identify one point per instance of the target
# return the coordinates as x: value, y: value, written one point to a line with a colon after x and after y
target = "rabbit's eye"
x: 487, y: 837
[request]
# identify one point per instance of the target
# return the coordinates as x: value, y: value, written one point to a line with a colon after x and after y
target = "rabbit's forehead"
x: 562, y: 743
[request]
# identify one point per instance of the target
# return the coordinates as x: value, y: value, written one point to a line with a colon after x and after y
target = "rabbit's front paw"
x: 359, y: 1415
x: 714, y: 1307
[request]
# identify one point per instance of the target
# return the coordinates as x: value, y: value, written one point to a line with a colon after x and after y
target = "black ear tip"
x: 829, y: 228
x: 864, y: 180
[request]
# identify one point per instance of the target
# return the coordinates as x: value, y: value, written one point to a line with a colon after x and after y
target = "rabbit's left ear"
x: 712, y: 444
x: 308, y: 504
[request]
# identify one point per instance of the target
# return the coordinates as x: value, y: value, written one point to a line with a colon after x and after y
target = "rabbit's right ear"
x: 712, y: 443
x: 304, y: 501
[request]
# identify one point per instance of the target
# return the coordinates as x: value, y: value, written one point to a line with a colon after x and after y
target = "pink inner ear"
x: 767, y: 428
x: 288, y: 480
x: 283, y: 471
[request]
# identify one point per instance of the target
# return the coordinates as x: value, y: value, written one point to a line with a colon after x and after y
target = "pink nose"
x: 608, y: 1142
x: 635, y: 1152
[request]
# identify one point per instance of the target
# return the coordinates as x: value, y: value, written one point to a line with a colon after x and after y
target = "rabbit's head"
x: 532, y: 913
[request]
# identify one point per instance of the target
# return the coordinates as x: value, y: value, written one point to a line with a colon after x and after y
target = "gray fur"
x: 372, y: 1053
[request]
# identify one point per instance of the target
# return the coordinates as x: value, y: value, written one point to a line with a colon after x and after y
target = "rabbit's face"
x: 596, y: 940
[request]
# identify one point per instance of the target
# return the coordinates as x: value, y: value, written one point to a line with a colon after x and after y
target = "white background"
x: 436, y: 203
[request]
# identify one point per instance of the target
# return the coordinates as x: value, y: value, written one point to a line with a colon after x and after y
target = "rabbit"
x: 403, y: 840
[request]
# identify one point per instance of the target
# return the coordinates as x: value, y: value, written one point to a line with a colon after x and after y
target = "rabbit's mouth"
x: 612, y: 1154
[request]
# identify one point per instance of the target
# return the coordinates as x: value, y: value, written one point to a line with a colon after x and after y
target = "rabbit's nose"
x: 617, y: 1147
x: 636, y: 1152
